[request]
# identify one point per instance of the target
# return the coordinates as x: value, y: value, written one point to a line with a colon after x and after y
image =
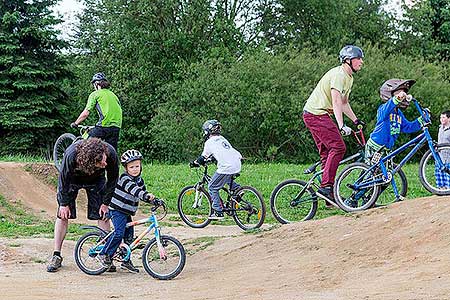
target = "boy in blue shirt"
x: 390, y: 119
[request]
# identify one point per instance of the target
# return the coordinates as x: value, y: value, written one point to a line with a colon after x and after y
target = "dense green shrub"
x: 259, y: 99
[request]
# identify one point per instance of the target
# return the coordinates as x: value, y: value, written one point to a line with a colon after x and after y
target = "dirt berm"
x: 399, y: 252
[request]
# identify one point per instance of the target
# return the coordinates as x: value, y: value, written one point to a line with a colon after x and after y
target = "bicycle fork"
x: 198, y: 198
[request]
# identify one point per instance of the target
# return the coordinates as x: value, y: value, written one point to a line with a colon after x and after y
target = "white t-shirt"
x: 228, y: 158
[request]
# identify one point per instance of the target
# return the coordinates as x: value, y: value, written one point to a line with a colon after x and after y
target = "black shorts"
x: 95, y: 194
x: 107, y: 134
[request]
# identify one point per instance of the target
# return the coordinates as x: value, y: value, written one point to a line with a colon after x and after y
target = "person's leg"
x: 327, y: 132
x: 119, y: 220
x: 128, y: 236
x: 214, y: 186
x: 60, y: 231
x: 112, y: 136
x: 97, y: 132
x: 95, y: 200
x: 311, y: 122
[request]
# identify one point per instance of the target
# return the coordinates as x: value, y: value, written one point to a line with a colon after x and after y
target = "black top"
x: 71, y: 175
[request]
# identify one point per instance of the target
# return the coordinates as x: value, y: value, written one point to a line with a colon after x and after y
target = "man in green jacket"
x: 108, y: 108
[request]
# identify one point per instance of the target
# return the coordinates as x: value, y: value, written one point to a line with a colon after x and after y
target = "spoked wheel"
x: 291, y: 201
x: 434, y: 179
x: 250, y: 210
x: 386, y: 193
x: 86, y: 251
x: 349, y: 198
x: 61, y: 144
x: 166, y: 262
x: 194, y: 206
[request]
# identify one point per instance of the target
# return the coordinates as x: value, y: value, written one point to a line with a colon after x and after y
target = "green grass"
x: 23, y: 158
x: 166, y: 181
x: 16, y: 222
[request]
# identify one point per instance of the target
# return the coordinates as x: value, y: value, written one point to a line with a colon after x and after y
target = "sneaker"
x: 112, y: 269
x: 54, y: 264
x: 128, y: 265
x: 105, y: 260
x: 216, y: 215
x: 326, y: 193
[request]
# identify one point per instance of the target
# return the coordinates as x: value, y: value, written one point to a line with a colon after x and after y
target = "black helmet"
x: 211, y: 127
x: 129, y: 156
x: 350, y: 52
x: 390, y: 86
x: 98, y: 77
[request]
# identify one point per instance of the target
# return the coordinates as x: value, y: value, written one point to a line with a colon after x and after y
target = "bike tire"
x: 195, y: 217
x: 86, y: 256
x: 427, y: 170
x: 282, y: 202
x: 347, y: 198
x: 386, y: 194
x: 249, y: 208
x: 61, y: 144
x: 175, y: 258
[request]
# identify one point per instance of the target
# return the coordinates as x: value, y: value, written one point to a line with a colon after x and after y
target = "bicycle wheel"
x: 194, y: 206
x: 350, y: 199
x: 434, y: 180
x: 86, y: 251
x: 165, y: 263
x: 250, y: 210
x: 386, y: 192
x: 288, y: 205
x: 61, y: 144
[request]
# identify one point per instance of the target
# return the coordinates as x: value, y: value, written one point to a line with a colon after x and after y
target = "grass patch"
x: 16, y: 222
x: 199, y: 244
x: 166, y: 181
x: 23, y: 158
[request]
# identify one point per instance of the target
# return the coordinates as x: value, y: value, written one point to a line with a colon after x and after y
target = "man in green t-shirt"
x: 108, y: 108
x: 331, y: 97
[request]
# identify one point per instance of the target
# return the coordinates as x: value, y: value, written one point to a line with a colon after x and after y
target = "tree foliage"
x: 427, y: 29
x: 325, y: 24
x: 259, y: 100
x: 32, y: 104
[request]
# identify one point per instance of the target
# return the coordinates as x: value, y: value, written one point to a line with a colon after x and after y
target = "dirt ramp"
x: 400, y: 252
x: 18, y: 185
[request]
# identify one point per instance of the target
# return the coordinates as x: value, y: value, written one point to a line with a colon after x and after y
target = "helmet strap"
x: 350, y: 64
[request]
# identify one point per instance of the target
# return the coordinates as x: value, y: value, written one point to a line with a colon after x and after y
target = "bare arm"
x: 347, y: 109
x: 83, y: 116
x: 341, y: 106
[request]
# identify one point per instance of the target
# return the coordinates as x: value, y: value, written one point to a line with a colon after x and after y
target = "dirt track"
x: 399, y: 252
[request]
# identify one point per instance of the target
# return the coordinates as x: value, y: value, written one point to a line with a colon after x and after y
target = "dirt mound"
x: 397, y: 252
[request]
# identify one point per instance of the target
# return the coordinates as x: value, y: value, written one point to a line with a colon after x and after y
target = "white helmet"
x: 129, y: 156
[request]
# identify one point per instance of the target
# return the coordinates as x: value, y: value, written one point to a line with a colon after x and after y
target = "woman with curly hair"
x: 84, y: 166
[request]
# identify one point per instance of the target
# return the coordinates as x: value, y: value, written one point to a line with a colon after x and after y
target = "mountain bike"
x: 163, y: 257
x: 296, y: 200
x: 357, y: 186
x: 65, y: 140
x: 245, y: 204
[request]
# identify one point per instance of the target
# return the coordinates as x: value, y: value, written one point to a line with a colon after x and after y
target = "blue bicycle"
x: 163, y: 256
x: 358, y: 186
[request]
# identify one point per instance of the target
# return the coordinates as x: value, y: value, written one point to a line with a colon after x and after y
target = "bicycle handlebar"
x: 424, y: 112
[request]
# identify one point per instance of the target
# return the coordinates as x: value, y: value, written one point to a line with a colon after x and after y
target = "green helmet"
x: 211, y: 127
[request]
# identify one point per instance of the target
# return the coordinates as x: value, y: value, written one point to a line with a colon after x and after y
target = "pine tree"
x: 32, y: 104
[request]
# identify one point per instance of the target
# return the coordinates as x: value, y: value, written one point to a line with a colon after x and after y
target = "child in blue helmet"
x: 228, y: 163
x: 130, y: 189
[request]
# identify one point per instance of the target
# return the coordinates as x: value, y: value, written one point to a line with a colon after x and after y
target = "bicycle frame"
x: 317, y: 175
x: 388, y: 175
x: 130, y: 248
x: 205, y: 179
